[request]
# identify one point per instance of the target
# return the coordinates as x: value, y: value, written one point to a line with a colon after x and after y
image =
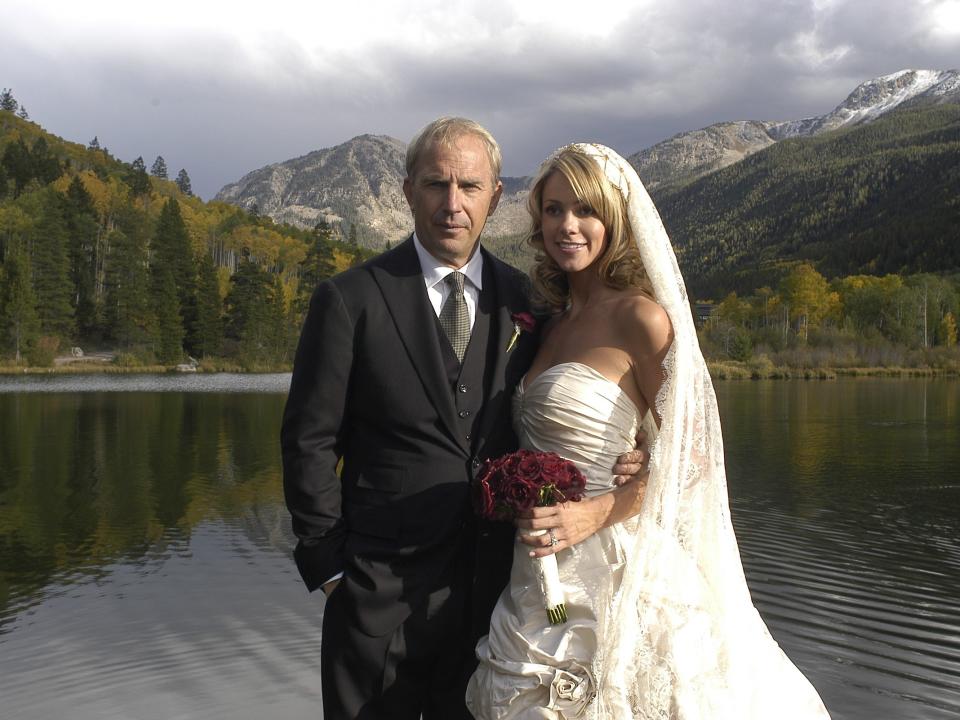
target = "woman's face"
x: 573, y: 235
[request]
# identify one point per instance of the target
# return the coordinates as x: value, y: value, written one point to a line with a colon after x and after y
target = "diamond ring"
x: 553, y: 538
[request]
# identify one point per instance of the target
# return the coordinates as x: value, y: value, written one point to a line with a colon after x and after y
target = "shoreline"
x: 102, y: 368
x: 719, y: 370
x: 732, y: 370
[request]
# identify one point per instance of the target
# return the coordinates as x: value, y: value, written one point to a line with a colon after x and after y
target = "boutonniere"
x: 522, y: 322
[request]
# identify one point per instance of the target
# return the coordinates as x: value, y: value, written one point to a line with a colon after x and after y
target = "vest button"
x: 464, y: 413
x: 462, y: 388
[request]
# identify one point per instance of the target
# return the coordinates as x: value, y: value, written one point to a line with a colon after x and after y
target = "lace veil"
x: 689, y: 643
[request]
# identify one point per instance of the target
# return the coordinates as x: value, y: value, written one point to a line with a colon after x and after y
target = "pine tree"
x: 19, y: 321
x: 127, y: 303
x: 168, y: 340
x: 94, y: 144
x: 171, y: 249
x: 159, y: 168
x: 18, y: 164
x: 318, y: 265
x: 248, y: 310
x: 50, y: 259
x: 139, y: 181
x: 7, y: 101
x: 85, y: 257
x: 209, y: 334
x: 46, y: 168
x: 183, y: 182
x: 23, y: 114
x: 278, y: 322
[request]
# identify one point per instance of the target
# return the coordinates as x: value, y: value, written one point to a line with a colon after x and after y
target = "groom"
x: 403, y: 372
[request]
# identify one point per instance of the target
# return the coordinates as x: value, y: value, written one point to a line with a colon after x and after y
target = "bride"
x: 660, y: 621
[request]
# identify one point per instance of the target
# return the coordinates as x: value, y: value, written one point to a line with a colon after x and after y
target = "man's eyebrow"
x: 430, y: 178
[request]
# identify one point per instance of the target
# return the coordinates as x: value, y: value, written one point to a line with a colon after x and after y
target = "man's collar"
x: 434, y: 271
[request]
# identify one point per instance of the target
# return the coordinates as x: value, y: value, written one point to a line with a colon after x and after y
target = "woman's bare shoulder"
x: 644, y: 323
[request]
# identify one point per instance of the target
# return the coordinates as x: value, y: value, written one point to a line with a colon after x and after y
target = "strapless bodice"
x: 573, y: 410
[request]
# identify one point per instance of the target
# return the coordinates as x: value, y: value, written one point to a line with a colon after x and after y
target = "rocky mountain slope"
x: 690, y: 155
x: 358, y: 184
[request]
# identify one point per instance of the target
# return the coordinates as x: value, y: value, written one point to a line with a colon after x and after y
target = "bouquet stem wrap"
x: 549, y: 575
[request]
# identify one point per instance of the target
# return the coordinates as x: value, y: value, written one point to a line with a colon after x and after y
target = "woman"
x: 660, y: 622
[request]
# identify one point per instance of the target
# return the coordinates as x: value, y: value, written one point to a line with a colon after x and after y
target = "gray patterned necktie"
x: 454, y: 318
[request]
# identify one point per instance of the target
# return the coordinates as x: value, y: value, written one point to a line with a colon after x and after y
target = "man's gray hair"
x: 445, y: 131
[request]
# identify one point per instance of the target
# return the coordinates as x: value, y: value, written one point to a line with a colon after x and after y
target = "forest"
x: 851, y: 324
x: 96, y: 253
x: 839, y: 251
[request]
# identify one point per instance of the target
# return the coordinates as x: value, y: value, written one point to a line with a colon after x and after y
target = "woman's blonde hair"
x: 620, y: 265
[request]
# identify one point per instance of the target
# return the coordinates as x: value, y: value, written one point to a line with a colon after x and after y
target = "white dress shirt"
x: 435, y: 272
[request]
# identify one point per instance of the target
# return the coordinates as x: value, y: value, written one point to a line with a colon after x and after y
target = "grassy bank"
x: 733, y: 370
x: 217, y: 365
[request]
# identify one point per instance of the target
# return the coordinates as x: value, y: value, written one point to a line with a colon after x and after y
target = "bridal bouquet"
x: 520, y: 481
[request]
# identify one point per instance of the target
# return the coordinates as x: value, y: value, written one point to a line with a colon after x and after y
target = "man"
x: 403, y: 372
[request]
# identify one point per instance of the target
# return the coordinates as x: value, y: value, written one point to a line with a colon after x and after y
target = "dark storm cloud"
x: 221, y: 110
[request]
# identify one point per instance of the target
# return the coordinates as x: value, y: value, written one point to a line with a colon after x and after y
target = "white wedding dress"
x: 529, y: 668
x: 703, y: 664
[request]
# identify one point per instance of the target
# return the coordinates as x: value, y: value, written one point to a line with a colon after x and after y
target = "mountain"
x: 357, y: 183
x: 876, y: 97
x: 690, y: 155
x: 874, y: 198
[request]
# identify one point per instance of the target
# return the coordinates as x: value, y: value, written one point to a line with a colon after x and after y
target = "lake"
x: 145, y: 567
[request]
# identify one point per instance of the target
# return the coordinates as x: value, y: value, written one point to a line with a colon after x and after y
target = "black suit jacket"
x: 369, y: 386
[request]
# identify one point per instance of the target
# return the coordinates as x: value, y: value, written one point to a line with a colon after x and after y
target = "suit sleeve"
x: 312, y: 432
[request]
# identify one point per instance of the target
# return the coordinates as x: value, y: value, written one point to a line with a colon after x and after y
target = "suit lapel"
x: 400, y: 278
x: 510, y: 299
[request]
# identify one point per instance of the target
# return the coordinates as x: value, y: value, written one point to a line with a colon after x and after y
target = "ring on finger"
x: 553, y: 537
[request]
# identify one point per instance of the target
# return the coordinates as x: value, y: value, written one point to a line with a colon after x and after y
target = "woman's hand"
x: 566, y: 523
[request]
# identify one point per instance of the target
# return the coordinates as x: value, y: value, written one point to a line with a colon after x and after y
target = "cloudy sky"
x: 222, y: 87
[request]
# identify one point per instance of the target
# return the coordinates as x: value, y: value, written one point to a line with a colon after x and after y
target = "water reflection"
x: 846, y: 502
x: 145, y: 568
x: 94, y: 479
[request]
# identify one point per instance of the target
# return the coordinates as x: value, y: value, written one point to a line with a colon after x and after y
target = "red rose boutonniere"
x: 522, y: 322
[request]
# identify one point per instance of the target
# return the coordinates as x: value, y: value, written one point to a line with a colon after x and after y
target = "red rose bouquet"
x: 520, y: 481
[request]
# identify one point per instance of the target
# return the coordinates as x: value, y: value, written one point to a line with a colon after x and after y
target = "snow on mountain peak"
x: 873, y: 98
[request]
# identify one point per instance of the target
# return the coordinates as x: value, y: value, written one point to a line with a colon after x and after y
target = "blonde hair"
x: 620, y: 265
x: 445, y: 131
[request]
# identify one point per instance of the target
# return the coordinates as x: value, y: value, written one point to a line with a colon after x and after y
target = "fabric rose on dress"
x: 571, y: 691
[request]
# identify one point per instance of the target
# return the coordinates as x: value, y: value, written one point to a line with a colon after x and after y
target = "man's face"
x: 452, y: 193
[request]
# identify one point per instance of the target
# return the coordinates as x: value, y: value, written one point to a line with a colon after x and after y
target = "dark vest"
x: 469, y: 381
